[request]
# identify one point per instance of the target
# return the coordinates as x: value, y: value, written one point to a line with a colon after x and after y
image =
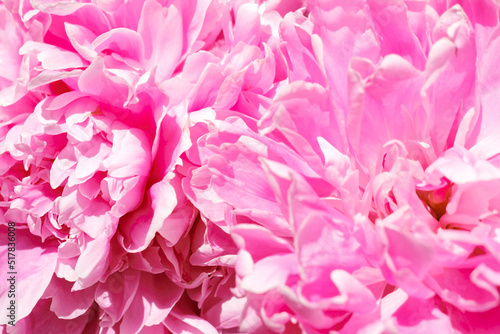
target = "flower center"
x: 436, y: 200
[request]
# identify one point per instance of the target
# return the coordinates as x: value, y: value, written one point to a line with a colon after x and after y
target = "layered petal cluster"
x: 279, y: 166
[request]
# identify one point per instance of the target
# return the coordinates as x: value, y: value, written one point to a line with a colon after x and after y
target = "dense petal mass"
x: 250, y: 166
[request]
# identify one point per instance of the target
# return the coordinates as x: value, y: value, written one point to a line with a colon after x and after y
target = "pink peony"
x: 211, y: 166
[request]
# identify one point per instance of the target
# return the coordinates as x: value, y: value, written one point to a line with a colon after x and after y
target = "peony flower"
x: 211, y: 166
x: 82, y: 176
x: 373, y: 151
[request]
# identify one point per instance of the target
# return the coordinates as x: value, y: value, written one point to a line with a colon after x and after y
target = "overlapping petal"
x: 270, y: 166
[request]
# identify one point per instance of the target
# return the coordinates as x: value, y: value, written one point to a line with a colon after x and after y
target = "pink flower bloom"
x: 211, y: 166
x: 377, y: 152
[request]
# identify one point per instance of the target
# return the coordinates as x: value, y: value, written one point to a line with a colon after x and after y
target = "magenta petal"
x: 67, y: 304
x: 156, y: 19
x: 115, y: 295
x: 270, y: 273
x: 97, y: 81
x: 42, y: 319
x: 34, y: 266
x: 150, y: 305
